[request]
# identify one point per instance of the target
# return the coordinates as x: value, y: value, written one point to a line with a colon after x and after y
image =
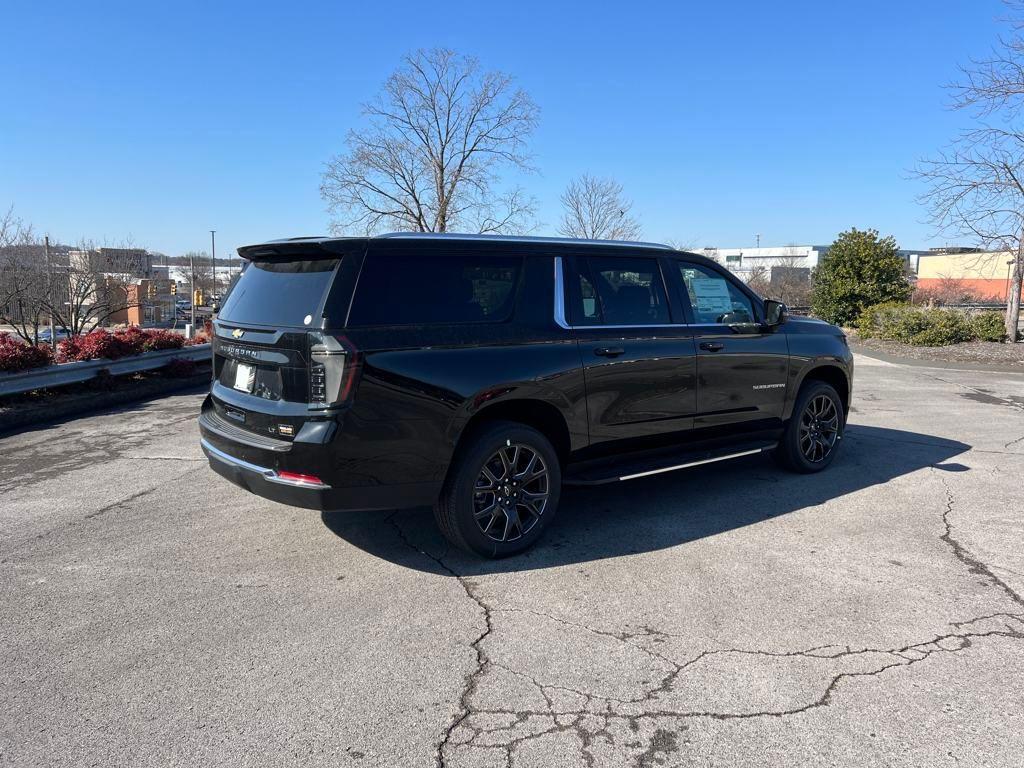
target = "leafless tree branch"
x: 429, y: 159
x: 596, y: 209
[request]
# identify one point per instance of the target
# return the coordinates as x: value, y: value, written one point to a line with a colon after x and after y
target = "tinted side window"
x: 713, y: 298
x: 622, y: 291
x: 415, y: 289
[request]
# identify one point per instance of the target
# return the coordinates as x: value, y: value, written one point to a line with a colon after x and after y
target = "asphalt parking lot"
x: 870, y: 615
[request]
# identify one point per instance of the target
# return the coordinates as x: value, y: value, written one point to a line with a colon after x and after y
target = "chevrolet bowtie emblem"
x: 238, y: 333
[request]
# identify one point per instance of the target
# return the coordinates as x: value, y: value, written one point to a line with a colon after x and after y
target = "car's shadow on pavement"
x: 661, y: 511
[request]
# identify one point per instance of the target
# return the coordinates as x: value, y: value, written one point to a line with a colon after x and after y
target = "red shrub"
x: 101, y: 344
x: 18, y: 356
x: 132, y: 340
x: 69, y: 349
x: 123, y: 342
x: 160, y: 339
x: 201, y: 337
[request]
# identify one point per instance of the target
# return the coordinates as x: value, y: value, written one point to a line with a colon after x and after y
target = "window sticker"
x: 712, y: 295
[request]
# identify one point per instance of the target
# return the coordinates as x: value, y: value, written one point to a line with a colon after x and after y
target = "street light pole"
x: 213, y: 258
x: 192, y: 282
x: 49, y: 290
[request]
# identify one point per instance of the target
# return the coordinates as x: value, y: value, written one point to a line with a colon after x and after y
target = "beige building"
x: 985, y: 274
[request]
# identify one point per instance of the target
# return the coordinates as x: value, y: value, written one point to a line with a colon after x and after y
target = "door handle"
x: 712, y: 346
x: 609, y: 351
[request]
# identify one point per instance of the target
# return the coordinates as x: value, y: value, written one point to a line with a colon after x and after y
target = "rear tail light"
x: 299, y: 478
x: 333, y: 368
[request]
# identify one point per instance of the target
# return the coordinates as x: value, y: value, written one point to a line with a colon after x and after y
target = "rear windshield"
x: 417, y: 289
x: 279, y: 292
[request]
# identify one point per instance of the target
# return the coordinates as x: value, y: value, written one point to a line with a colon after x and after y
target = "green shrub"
x: 989, y: 326
x: 877, y: 322
x: 919, y: 326
x: 936, y: 328
x: 860, y: 270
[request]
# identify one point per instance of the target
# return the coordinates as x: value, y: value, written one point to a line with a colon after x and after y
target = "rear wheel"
x: 812, y: 436
x: 501, y: 492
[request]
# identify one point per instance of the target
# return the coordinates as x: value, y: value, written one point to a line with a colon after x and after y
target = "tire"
x: 814, y: 432
x: 489, y: 509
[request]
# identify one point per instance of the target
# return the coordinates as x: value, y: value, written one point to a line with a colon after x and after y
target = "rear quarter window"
x: 420, y: 289
x: 280, y: 292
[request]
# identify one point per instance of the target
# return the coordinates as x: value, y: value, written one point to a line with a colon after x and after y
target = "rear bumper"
x: 266, y: 482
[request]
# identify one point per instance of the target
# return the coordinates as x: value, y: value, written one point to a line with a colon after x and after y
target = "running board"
x: 593, y: 473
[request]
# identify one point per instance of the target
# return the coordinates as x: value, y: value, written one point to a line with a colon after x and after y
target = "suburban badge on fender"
x: 768, y: 386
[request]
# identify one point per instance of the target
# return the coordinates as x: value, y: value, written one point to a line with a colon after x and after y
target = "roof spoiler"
x: 308, y: 248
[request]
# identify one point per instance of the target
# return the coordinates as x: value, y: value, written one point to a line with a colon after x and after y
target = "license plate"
x: 245, y: 377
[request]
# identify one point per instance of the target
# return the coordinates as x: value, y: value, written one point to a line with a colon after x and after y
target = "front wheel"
x: 812, y: 436
x: 502, y: 490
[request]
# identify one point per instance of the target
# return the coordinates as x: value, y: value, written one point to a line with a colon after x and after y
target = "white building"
x: 745, y: 261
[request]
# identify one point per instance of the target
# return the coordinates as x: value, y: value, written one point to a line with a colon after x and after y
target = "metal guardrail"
x: 74, y: 373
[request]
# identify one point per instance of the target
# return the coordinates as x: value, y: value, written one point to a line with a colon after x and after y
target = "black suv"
x: 480, y: 374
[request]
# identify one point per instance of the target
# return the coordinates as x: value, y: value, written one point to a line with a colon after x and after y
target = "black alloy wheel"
x: 814, y: 432
x: 502, y: 489
x: 511, y: 492
x: 819, y: 428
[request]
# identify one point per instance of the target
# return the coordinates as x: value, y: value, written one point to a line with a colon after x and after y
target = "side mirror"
x: 774, y: 312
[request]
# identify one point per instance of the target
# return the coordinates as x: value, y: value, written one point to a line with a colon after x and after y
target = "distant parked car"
x: 59, y: 334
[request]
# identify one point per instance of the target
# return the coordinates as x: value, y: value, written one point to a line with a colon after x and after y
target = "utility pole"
x: 49, y: 291
x: 213, y: 259
x: 758, y: 236
x: 192, y: 281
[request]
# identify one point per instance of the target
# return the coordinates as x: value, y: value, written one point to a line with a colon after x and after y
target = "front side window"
x: 713, y: 298
x: 622, y: 291
x: 422, y: 289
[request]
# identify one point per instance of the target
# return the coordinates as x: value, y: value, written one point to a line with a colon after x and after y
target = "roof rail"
x: 519, y: 239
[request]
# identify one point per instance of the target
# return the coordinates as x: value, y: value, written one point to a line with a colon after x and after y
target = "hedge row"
x: 18, y: 356
x: 929, y: 327
x: 15, y: 355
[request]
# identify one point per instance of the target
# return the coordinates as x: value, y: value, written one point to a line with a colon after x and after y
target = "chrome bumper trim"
x: 267, y: 473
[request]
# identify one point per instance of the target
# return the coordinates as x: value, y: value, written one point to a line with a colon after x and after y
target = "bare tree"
x: 790, y: 278
x: 94, y: 286
x: 199, y: 273
x: 596, y: 209
x: 23, y: 278
x: 429, y: 160
x: 759, y: 281
x: 975, y: 188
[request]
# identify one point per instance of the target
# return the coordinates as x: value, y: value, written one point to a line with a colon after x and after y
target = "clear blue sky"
x: 795, y: 120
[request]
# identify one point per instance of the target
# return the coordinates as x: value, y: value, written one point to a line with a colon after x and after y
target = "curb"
x: 949, y: 365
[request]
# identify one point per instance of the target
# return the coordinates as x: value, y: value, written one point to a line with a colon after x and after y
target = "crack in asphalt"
x: 593, y: 716
x: 470, y: 680
x: 89, y: 516
x: 974, y: 565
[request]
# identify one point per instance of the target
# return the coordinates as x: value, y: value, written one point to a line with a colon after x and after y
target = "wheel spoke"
x: 489, y: 511
x: 528, y: 472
